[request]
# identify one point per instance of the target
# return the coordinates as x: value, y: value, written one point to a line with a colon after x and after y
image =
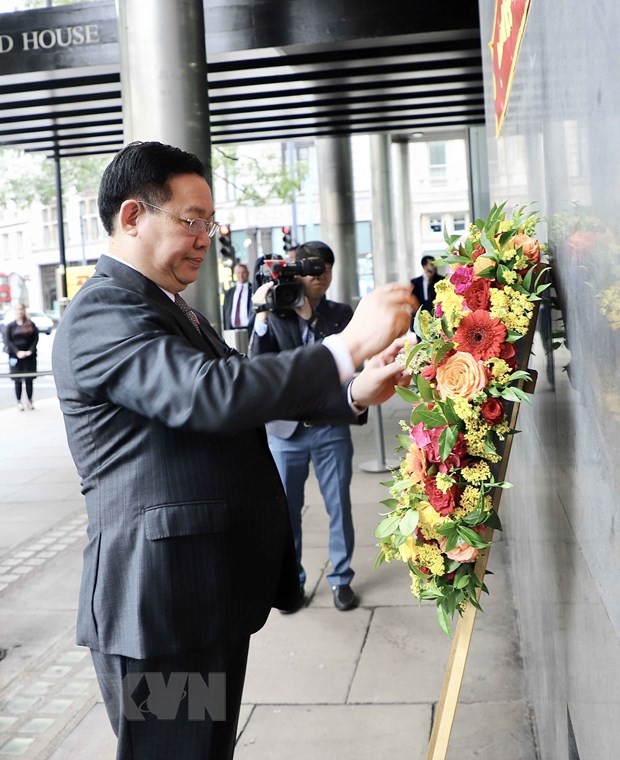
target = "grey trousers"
x: 177, y: 706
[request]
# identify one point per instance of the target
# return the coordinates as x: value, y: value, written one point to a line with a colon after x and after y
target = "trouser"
x: 330, y: 450
x: 18, y: 388
x: 176, y: 706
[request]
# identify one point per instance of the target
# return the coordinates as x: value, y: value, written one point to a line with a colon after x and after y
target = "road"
x: 43, y: 386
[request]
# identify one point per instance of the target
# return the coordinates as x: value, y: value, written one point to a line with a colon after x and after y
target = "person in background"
x: 21, y: 337
x: 237, y: 308
x: 189, y: 537
x: 295, y: 444
x: 424, y: 285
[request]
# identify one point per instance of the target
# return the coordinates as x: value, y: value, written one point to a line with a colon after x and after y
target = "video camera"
x: 287, y: 293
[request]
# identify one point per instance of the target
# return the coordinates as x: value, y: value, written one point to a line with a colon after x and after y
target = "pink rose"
x: 462, y: 278
x: 429, y: 372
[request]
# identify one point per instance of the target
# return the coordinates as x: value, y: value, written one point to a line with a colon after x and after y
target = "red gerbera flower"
x: 480, y: 335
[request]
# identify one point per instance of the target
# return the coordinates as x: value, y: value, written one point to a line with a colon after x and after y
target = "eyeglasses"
x: 194, y: 226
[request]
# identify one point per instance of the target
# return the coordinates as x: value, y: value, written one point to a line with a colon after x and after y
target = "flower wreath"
x: 466, y: 381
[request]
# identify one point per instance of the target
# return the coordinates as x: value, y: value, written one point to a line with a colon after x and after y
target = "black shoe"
x: 344, y: 598
x: 298, y: 604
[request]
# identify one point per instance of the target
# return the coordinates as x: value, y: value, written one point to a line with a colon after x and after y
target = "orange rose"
x: 462, y: 553
x: 414, y: 464
x: 530, y: 248
x: 461, y: 375
x: 482, y: 263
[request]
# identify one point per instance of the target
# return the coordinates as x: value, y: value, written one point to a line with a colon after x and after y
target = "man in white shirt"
x: 238, y: 301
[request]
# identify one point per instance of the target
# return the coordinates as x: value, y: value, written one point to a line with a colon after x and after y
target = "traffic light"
x: 287, y: 240
x: 226, y: 247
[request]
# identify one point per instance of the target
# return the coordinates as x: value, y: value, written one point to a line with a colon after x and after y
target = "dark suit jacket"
x: 189, y: 533
x: 284, y: 333
x: 229, y: 296
x: 418, y: 291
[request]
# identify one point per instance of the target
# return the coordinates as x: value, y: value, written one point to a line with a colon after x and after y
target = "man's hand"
x: 375, y: 384
x: 380, y: 317
x: 259, y: 298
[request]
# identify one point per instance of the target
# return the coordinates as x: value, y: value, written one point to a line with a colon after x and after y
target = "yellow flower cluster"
x: 610, y: 305
x: 499, y: 369
x: 463, y: 408
x: 451, y: 302
x: 508, y: 254
x: 477, y: 472
x: 475, y: 432
x: 444, y: 482
x: 512, y: 309
x: 469, y: 502
x: 425, y: 555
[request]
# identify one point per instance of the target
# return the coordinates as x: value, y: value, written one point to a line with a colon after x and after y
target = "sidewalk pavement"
x: 321, y: 684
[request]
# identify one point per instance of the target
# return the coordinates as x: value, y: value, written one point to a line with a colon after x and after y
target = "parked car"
x: 44, y: 323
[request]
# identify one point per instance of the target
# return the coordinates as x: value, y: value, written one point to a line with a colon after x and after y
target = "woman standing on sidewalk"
x: 21, y: 337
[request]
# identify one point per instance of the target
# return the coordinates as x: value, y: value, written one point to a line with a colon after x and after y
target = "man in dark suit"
x: 295, y: 444
x: 189, y: 538
x: 237, y: 308
x: 424, y: 285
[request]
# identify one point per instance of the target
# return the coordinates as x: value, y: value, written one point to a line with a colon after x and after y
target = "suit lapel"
x: 207, y: 340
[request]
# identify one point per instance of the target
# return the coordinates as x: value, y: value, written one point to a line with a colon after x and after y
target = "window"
x: 435, y: 224
x: 459, y: 223
x: 90, y: 227
x: 19, y: 244
x: 437, y: 160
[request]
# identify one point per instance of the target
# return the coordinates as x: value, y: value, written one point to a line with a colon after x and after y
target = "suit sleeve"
x: 125, y: 352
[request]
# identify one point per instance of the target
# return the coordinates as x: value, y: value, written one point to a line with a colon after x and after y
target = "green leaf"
x: 461, y: 579
x: 447, y: 439
x: 451, y: 542
x: 431, y: 419
x: 445, y: 326
x: 444, y: 620
x: 408, y: 395
x: 391, y: 504
x: 493, y: 520
x: 486, y: 243
x: 403, y: 440
x: 472, y: 538
x: 379, y: 560
x: 502, y: 269
x: 447, y: 407
x: 446, y: 529
x: 387, y: 527
x: 488, y: 273
x: 409, y: 522
x: 519, y: 375
x: 440, y: 349
x: 514, y: 394
x: 489, y: 446
x: 425, y: 389
x: 513, y: 337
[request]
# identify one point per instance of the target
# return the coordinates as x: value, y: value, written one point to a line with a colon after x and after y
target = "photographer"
x: 294, y: 445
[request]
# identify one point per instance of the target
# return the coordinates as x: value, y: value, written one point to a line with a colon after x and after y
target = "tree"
x: 28, y: 177
x: 257, y: 184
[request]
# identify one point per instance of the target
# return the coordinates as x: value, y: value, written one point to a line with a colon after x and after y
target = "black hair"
x: 141, y: 170
x: 314, y: 248
x: 425, y: 259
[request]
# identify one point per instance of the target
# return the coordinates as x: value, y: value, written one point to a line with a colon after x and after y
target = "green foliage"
x: 28, y: 177
x: 257, y: 184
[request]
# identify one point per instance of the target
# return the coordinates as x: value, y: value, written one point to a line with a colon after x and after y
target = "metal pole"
x: 379, y: 464
x: 61, y: 227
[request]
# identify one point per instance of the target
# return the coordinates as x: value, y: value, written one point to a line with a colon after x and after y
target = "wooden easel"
x: 446, y: 707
